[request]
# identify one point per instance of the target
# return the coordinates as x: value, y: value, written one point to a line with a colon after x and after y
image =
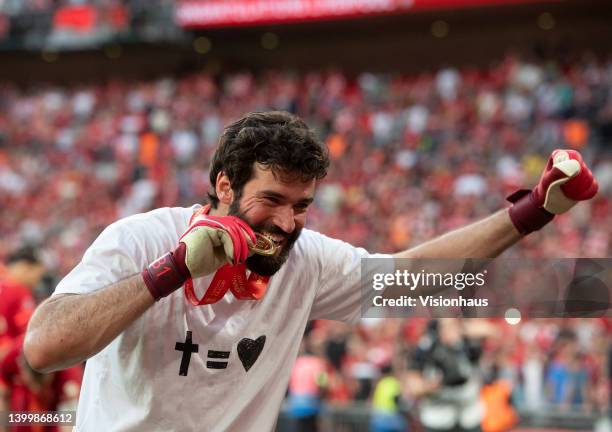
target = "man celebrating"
x: 157, y: 363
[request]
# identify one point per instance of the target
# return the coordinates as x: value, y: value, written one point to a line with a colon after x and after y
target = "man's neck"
x: 221, y: 210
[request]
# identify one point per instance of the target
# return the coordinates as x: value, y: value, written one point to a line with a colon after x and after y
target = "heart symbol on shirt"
x: 249, y: 350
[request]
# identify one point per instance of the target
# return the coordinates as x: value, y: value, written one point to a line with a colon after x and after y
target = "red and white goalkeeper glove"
x: 209, y: 243
x: 565, y: 181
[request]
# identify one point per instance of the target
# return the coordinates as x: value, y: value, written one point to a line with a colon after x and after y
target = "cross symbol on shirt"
x: 187, y: 348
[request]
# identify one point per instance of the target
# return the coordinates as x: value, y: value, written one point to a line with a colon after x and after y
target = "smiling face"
x: 264, y: 171
x: 273, y: 204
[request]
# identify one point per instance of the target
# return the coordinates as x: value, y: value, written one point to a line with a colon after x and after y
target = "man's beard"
x: 267, y: 265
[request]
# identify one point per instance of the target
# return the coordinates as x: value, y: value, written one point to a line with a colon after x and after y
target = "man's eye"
x: 272, y: 200
x: 301, y: 207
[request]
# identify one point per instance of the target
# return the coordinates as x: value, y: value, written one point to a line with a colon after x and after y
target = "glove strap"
x: 166, y: 274
x: 525, y: 214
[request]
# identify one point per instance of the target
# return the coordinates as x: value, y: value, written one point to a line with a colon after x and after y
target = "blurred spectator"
x: 444, y: 375
x: 386, y: 413
x: 23, y: 272
x: 567, y: 378
x: 25, y: 390
x: 306, y: 388
x: 21, y: 388
x: 499, y: 415
x: 533, y: 378
x: 496, y: 395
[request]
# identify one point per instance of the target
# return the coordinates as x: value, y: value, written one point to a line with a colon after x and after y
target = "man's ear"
x: 223, y: 187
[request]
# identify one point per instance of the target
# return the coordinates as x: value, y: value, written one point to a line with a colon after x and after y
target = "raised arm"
x: 565, y: 181
x: 486, y: 238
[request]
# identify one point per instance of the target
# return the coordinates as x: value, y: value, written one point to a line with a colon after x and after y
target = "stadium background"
x: 433, y: 110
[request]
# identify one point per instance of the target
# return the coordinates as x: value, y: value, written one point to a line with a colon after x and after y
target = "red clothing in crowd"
x: 31, y: 392
x: 16, y: 308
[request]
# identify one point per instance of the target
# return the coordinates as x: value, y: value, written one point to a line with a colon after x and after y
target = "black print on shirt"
x: 212, y: 354
x: 249, y: 350
x: 187, y: 348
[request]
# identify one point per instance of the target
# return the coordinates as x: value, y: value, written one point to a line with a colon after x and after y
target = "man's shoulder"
x: 315, y: 243
x: 162, y: 214
x: 171, y: 220
x: 146, y: 235
x: 310, y: 238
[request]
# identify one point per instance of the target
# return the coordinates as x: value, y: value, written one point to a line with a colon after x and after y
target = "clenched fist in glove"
x: 565, y: 181
x: 209, y: 243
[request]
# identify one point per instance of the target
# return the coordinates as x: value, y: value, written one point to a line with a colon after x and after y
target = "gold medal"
x: 264, y: 246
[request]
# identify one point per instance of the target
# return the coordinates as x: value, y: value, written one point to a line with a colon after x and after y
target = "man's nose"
x: 285, y: 219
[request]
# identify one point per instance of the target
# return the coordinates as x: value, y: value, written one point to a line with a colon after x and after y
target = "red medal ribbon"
x: 228, y: 277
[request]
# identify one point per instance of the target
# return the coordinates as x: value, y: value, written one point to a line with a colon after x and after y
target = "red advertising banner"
x: 227, y: 13
x: 85, y: 19
x: 79, y: 18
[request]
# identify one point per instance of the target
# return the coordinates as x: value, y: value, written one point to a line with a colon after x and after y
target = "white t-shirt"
x: 237, y: 379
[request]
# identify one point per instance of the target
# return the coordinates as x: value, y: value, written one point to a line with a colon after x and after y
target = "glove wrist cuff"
x: 167, y: 273
x: 526, y: 215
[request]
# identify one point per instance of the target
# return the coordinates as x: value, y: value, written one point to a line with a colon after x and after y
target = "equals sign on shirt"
x: 218, y: 363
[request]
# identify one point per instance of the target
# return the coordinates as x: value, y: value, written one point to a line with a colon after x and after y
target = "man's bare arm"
x: 565, y: 180
x: 486, y: 238
x: 67, y: 329
x: 4, y: 406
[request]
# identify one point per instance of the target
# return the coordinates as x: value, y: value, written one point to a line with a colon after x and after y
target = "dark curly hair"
x: 276, y: 139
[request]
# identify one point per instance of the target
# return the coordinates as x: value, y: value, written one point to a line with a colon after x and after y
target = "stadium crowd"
x: 412, y: 156
x: 443, y: 148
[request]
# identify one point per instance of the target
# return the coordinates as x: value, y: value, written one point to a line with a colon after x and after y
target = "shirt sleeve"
x: 342, y: 290
x: 113, y: 256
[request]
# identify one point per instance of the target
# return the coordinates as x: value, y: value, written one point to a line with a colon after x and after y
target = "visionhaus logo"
x: 429, y: 301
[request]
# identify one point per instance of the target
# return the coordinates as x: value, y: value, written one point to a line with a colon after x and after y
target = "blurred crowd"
x: 547, y: 366
x: 413, y: 156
